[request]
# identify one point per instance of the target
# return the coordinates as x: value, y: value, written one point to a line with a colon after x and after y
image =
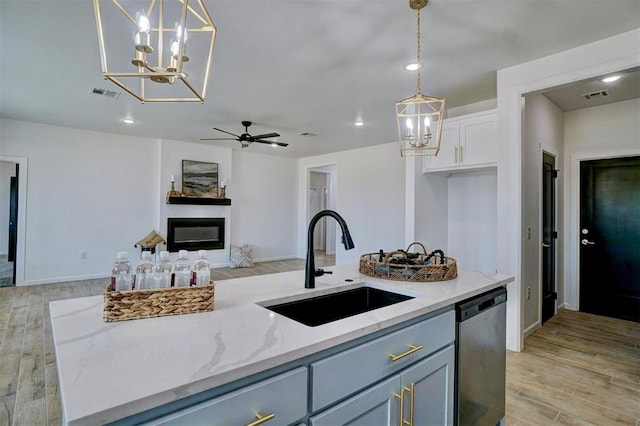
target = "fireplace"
x: 187, y: 233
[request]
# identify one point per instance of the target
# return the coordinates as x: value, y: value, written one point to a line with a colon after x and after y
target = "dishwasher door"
x: 481, y: 359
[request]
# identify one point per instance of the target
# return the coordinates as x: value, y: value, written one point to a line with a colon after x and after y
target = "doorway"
x: 321, y: 195
x: 549, y: 236
x: 9, y: 173
x: 609, y: 237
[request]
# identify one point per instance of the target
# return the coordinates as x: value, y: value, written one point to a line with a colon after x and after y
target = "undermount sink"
x: 318, y: 310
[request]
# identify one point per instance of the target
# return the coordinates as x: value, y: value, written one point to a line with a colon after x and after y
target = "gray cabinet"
x: 420, y: 395
x: 280, y: 400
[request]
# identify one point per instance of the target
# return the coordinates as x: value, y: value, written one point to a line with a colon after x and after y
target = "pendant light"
x: 419, y: 117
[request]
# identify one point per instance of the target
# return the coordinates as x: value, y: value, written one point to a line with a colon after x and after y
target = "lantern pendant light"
x: 420, y: 116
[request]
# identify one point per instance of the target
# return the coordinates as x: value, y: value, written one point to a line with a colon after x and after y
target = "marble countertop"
x: 108, y: 371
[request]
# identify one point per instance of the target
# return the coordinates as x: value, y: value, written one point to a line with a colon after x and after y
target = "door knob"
x: 586, y: 242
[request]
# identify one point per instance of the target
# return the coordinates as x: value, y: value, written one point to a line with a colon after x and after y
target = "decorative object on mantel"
x: 420, y: 116
x: 241, y: 256
x: 150, y: 241
x: 166, y: 25
x: 137, y: 304
x: 223, y: 188
x: 403, y: 265
x: 173, y: 192
x: 199, y: 179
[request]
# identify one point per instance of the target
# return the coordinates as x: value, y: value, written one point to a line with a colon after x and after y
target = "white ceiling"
x: 294, y: 66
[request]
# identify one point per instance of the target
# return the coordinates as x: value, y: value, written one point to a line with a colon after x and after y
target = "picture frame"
x: 199, y: 179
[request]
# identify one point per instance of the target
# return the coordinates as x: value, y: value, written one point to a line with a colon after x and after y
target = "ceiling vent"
x: 106, y: 93
x: 596, y: 95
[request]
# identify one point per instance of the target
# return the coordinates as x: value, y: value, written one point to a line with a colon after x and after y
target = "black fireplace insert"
x: 186, y: 233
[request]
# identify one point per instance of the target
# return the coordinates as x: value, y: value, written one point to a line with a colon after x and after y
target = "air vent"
x: 309, y: 134
x: 106, y: 93
x: 596, y: 95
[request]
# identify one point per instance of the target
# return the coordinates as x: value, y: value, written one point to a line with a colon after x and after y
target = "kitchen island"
x: 109, y: 372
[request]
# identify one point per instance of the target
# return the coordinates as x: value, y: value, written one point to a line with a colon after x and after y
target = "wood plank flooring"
x: 579, y: 369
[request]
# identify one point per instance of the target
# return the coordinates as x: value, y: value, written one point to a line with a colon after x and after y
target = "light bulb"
x: 409, y: 125
x: 144, y: 25
x: 175, y: 47
x: 427, y: 122
x: 181, y: 34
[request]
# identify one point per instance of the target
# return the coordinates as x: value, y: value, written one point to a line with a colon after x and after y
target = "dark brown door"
x: 549, y: 236
x: 610, y: 237
x: 13, y: 221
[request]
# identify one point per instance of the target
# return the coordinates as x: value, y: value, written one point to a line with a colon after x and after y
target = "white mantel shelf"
x: 109, y: 371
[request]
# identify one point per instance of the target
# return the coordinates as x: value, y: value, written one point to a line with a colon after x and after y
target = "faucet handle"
x: 320, y: 272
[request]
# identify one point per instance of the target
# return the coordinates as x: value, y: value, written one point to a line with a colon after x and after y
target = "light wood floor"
x: 578, y: 369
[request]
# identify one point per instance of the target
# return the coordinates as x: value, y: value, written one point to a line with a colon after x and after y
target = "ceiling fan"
x: 246, y: 139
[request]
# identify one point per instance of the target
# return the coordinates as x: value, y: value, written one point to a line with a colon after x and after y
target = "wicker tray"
x: 381, y: 265
x: 136, y: 304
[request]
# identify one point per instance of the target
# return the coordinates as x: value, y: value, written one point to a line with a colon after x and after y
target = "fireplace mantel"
x: 199, y: 201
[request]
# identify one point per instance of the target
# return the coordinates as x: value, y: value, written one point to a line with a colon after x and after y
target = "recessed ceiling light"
x: 359, y: 123
x: 128, y: 120
x: 611, y: 79
x: 413, y: 67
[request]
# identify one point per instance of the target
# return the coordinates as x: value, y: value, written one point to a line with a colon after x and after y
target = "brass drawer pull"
x: 401, y: 397
x: 412, y: 349
x: 262, y: 419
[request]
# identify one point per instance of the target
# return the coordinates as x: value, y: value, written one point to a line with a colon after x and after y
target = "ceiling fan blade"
x: 218, y: 139
x: 266, y: 135
x: 224, y: 131
x: 271, y: 142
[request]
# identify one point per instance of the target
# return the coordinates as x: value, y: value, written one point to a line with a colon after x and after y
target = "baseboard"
x: 568, y: 307
x: 273, y: 259
x: 63, y: 279
x: 531, y: 328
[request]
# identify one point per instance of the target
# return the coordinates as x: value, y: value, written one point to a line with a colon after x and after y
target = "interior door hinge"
x: 554, y: 235
x: 554, y: 174
x: 554, y: 295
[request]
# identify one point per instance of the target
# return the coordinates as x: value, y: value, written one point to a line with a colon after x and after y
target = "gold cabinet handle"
x: 410, y: 389
x: 401, y: 396
x: 262, y: 419
x: 412, y: 349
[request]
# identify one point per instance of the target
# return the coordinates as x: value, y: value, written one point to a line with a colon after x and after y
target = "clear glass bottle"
x: 182, y: 270
x: 143, y: 279
x: 121, y: 278
x: 201, y: 271
x: 163, y: 271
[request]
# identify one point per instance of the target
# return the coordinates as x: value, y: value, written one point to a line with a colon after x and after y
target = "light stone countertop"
x: 109, y: 371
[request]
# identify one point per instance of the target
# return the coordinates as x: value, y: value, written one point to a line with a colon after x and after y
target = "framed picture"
x: 199, y: 179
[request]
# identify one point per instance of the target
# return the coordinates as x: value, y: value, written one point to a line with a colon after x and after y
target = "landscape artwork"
x: 199, y: 179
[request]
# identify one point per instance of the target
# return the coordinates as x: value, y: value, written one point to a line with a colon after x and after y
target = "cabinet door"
x: 283, y: 396
x: 428, y: 390
x: 376, y: 406
x: 448, y: 148
x: 478, y: 140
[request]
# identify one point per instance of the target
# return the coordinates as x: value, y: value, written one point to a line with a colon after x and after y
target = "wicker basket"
x: 386, y: 266
x: 135, y: 304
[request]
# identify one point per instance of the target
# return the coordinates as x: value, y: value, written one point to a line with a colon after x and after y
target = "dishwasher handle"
x: 472, y: 307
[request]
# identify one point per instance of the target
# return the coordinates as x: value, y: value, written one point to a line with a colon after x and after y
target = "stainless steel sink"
x: 318, y: 310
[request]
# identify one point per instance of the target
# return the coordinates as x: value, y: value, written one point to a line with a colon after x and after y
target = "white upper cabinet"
x: 468, y: 142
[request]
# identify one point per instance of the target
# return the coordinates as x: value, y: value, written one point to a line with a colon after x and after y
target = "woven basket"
x: 135, y: 304
x: 443, y: 269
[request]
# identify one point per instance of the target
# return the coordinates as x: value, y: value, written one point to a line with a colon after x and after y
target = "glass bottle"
x: 162, y: 271
x: 201, y: 271
x: 121, y: 278
x: 182, y: 270
x: 143, y: 279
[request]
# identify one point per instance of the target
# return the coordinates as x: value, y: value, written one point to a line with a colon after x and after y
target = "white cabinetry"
x: 468, y: 142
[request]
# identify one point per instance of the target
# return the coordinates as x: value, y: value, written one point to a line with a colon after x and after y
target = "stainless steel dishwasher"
x: 481, y: 359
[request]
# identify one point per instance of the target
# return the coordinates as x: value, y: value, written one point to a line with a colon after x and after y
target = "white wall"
x: 431, y: 210
x: 370, y: 194
x: 600, y: 132
x: 7, y: 170
x: 264, y: 204
x: 543, y: 131
x: 604, y: 56
x: 472, y: 216
x: 87, y: 191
